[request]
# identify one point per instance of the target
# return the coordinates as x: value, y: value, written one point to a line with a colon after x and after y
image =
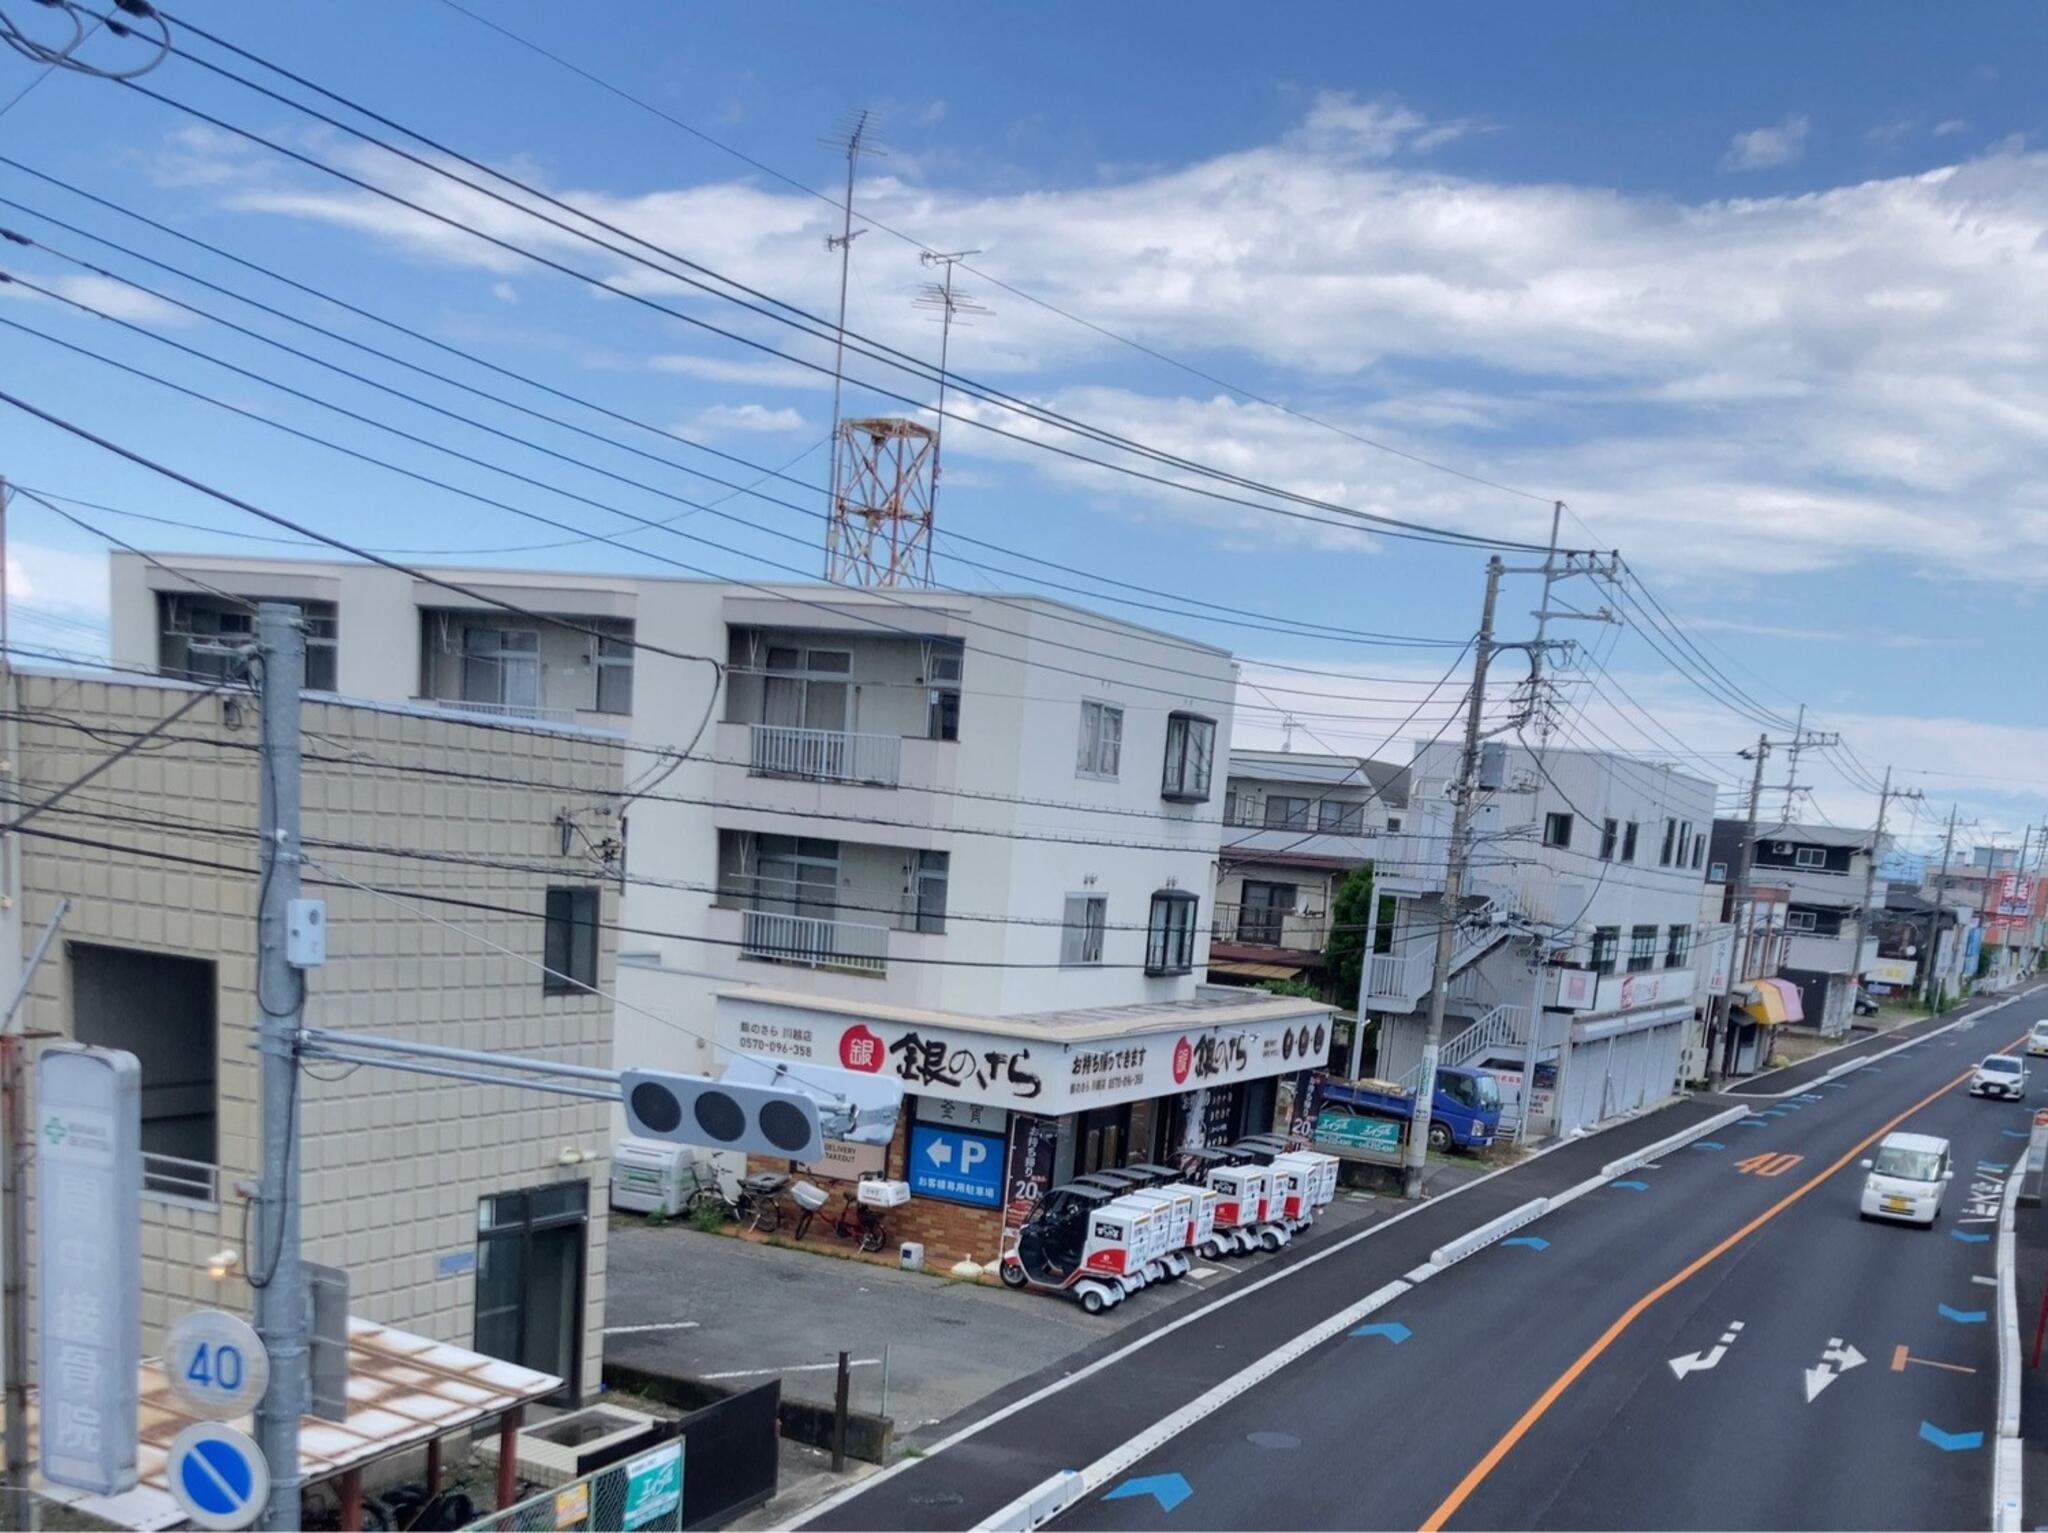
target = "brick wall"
x: 392, y: 1165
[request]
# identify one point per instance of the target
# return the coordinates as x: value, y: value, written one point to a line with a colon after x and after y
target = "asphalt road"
x: 1532, y: 1384
x: 1536, y: 1387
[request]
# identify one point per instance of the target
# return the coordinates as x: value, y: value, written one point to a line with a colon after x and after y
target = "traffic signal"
x: 691, y: 1109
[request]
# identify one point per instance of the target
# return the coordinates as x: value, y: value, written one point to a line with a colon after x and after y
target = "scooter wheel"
x: 871, y: 1241
x: 1271, y: 1240
x: 1092, y: 1300
x: 1012, y: 1274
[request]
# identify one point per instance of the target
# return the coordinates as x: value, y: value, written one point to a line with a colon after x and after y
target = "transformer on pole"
x: 880, y: 532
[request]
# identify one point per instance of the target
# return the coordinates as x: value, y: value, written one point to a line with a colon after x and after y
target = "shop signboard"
x: 1652, y: 987
x: 1025, y: 1070
x: 1892, y: 971
x: 654, y: 1488
x: 1337, y: 1129
x: 967, y: 1115
x: 1034, y: 1142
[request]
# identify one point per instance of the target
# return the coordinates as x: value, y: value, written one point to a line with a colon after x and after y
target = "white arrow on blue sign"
x: 218, y: 1475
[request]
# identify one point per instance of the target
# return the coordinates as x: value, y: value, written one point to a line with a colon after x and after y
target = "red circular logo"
x: 860, y: 1049
x: 1183, y: 1061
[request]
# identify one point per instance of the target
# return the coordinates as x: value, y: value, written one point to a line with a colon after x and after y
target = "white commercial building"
x: 1582, y: 900
x: 958, y: 806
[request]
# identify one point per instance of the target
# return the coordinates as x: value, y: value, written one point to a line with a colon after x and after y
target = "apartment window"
x: 1679, y: 948
x: 615, y: 673
x: 1394, y: 823
x: 1684, y: 843
x: 1557, y: 830
x: 198, y: 636
x: 569, y: 945
x: 1343, y: 819
x: 1606, y: 948
x: 1190, y: 755
x: 1285, y: 813
x: 1102, y: 740
x: 501, y: 668
x: 160, y: 1008
x: 1262, y: 915
x: 1642, y: 949
x: 1087, y: 918
x: 1699, y: 849
x: 933, y: 868
x: 790, y: 875
x: 942, y: 713
x: 807, y: 688
x: 1170, y: 933
x: 1801, y: 920
x: 1610, y: 837
x: 1718, y: 873
x: 1670, y: 843
x: 1628, y: 841
x: 1810, y: 856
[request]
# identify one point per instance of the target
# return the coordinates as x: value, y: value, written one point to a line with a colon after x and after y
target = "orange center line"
x: 1477, y: 1474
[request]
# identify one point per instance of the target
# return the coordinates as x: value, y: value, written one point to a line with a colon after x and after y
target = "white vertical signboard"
x: 88, y: 1265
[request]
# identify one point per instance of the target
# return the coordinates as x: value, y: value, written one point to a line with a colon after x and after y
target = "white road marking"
x: 659, y: 1325
x: 1203, y: 1272
x: 757, y: 1373
x: 1842, y: 1356
x: 1700, y: 1362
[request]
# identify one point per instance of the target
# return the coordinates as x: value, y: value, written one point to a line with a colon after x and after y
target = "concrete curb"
x: 1677, y: 1141
x: 2006, y: 1482
x: 1487, y: 1233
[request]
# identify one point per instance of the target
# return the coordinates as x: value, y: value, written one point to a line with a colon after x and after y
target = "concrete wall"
x: 393, y: 1165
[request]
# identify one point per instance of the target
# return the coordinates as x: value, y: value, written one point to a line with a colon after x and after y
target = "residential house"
x: 1295, y: 825
x: 473, y: 1214
x: 1581, y: 905
x: 961, y: 840
x: 1827, y: 872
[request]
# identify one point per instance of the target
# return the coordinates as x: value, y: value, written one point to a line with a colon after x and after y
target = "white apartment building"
x: 1582, y: 901
x: 1295, y: 825
x: 953, y: 810
x: 471, y: 1214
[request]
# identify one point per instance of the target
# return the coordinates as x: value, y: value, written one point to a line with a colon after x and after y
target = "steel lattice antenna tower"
x: 881, y: 528
x: 856, y: 140
x: 950, y: 304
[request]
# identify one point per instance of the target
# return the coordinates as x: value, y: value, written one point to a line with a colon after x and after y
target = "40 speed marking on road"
x: 1768, y: 1165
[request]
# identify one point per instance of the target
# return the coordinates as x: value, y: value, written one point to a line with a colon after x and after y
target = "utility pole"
x: 14, y: 1188
x: 1792, y: 769
x: 282, y: 1317
x: 1868, y: 923
x: 1463, y: 793
x: 1930, y: 985
x: 1745, y: 903
x: 843, y: 243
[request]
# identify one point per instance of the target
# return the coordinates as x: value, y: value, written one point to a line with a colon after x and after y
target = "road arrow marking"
x: 1751, y: 1123
x: 1393, y: 1330
x: 1901, y: 1357
x: 1950, y: 1442
x: 1533, y: 1242
x: 1818, y: 1379
x: 1842, y: 1356
x: 1169, y: 1490
x: 1992, y: 1165
x: 1699, y: 1362
x: 1811, y: 1096
x: 1962, y: 1316
x: 1708, y: 1144
x: 1632, y: 1186
x: 1968, y: 1237
x: 2015, y: 1133
x: 1988, y: 1282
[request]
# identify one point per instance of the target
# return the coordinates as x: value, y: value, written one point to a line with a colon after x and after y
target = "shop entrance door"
x: 1101, y: 1144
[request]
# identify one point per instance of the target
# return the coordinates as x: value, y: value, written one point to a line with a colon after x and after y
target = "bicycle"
x: 752, y: 1201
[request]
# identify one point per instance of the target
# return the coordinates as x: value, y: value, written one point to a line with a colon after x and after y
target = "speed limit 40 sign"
x: 215, y: 1364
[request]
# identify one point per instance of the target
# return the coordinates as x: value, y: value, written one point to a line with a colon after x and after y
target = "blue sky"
x: 1758, y: 290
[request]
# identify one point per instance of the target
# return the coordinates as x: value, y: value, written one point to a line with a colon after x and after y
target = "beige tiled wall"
x: 393, y: 1165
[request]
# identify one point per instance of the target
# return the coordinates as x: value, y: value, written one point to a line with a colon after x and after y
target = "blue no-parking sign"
x: 956, y: 1166
x: 218, y: 1475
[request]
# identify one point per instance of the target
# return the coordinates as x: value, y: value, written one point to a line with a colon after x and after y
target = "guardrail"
x: 816, y: 943
x: 824, y: 755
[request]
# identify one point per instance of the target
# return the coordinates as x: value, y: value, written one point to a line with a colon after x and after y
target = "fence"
x: 645, y: 1491
x: 817, y: 943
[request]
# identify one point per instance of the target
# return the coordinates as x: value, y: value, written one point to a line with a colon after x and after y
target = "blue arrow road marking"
x: 1968, y: 1237
x: 1393, y: 1330
x: 1992, y: 1165
x: 2014, y: 1133
x: 1961, y: 1316
x: 1751, y: 1123
x: 1632, y: 1186
x: 1811, y: 1096
x: 1950, y: 1442
x: 1533, y: 1242
x: 1169, y: 1490
x: 216, y: 1477
x: 1708, y: 1144
x: 1835, y: 1085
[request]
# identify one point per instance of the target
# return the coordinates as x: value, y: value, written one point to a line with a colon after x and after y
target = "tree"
x: 1299, y: 989
x: 1344, y: 952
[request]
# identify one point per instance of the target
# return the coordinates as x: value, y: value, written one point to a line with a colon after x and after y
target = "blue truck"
x: 1370, y: 1118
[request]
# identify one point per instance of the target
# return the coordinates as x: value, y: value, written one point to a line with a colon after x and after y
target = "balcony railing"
x: 1399, y: 977
x: 505, y: 710
x: 187, y: 1181
x: 825, y: 755
x: 1266, y: 926
x: 817, y: 944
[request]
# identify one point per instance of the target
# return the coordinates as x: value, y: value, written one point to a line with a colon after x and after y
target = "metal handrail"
x: 824, y: 755
x: 777, y: 937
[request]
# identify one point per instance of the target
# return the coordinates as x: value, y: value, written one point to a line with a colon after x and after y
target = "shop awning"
x: 1239, y: 969
x: 1763, y: 1003
x: 1794, y: 1010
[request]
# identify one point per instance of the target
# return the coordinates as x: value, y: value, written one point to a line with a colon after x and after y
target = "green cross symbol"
x: 54, y: 1130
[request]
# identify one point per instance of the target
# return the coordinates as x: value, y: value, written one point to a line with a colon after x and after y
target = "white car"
x: 1907, y: 1179
x: 2001, y: 1075
x: 2037, y: 1037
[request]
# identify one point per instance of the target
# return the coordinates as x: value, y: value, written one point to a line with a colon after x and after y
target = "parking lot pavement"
x: 737, y: 1311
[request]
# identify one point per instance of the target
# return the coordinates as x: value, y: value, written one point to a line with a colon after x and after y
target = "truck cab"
x: 1464, y: 1112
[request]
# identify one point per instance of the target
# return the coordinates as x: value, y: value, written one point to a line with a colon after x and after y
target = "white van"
x: 1907, y: 1179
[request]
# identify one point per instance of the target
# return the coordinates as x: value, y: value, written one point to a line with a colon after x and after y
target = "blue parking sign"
x: 956, y: 1166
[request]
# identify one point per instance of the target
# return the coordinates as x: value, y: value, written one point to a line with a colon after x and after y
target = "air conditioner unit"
x: 1782, y: 848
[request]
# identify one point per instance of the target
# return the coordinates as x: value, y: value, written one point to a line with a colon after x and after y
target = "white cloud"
x: 766, y: 373
x: 934, y: 112
x: 1762, y: 148
x: 747, y: 418
x: 1950, y: 127
x: 1886, y: 134
x: 61, y: 580
x: 505, y: 292
x: 105, y: 294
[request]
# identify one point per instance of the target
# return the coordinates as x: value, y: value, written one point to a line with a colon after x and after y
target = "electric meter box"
x: 650, y: 1178
x: 305, y: 933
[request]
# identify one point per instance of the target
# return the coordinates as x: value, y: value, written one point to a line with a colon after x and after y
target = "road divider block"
x: 1487, y: 1233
